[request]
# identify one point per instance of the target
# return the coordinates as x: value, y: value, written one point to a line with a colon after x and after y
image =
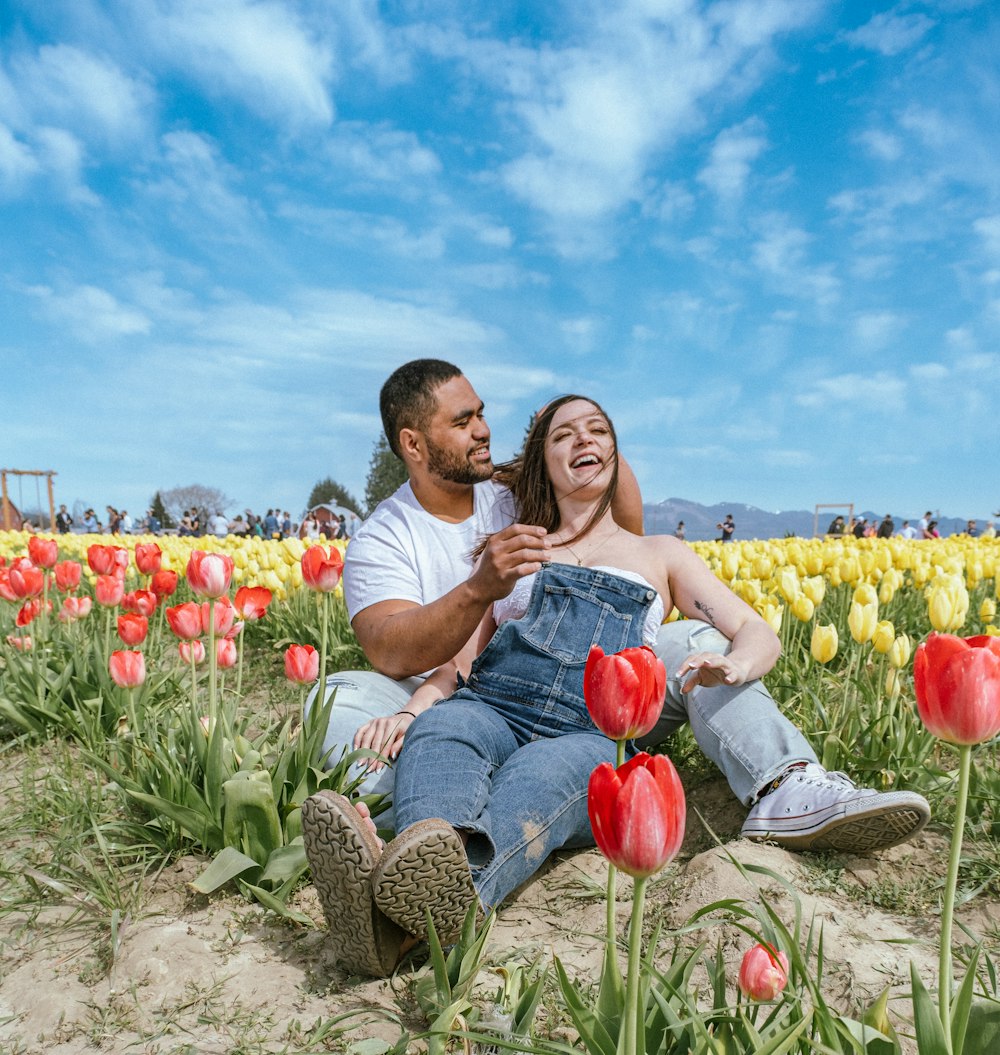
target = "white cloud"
x: 62, y: 154
x: 17, y: 162
x: 988, y: 229
x: 382, y: 153
x: 257, y: 53
x: 732, y: 153
x: 94, y: 314
x: 890, y: 33
x: 780, y: 253
x: 880, y: 392
x: 929, y: 372
x: 875, y: 330
x: 881, y: 145
x: 67, y: 87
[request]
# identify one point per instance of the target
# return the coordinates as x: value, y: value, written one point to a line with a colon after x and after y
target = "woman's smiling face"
x: 579, y: 450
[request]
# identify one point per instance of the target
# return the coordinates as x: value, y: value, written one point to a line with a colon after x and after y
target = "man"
x: 887, y: 527
x: 923, y: 525
x: 907, y: 530
x: 218, y: 525
x: 727, y: 527
x: 63, y: 520
x: 414, y: 599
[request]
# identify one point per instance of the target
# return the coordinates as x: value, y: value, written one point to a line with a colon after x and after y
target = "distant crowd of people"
x: 926, y: 527
x: 319, y: 523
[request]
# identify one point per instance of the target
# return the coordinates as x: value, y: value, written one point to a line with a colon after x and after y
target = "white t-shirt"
x: 403, y: 553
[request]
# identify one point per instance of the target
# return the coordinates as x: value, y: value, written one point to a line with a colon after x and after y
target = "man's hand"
x: 710, y: 668
x: 510, y: 554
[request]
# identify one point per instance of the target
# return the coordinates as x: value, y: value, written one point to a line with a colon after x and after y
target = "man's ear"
x: 411, y: 445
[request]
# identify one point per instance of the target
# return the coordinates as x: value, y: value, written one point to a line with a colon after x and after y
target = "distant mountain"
x: 700, y: 521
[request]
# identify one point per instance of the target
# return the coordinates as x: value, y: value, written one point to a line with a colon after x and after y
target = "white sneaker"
x: 812, y: 809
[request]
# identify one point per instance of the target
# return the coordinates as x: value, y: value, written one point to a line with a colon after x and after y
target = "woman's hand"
x: 711, y: 668
x: 384, y: 735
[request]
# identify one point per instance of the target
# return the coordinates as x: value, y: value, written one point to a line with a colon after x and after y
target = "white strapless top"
x: 515, y: 604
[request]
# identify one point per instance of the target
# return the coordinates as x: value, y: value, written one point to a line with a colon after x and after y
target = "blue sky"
x: 765, y: 233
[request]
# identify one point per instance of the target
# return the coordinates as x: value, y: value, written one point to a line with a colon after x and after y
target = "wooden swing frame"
x: 5, y: 503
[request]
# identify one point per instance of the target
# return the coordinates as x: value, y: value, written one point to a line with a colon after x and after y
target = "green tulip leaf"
x: 983, y: 1034
x: 227, y: 865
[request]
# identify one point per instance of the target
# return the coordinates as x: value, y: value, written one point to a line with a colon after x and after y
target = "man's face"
x: 458, y: 438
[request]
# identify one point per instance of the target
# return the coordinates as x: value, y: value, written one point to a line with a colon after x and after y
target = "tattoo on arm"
x: 705, y: 611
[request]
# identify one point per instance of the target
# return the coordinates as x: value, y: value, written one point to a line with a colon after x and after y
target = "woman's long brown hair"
x: 528, y: 478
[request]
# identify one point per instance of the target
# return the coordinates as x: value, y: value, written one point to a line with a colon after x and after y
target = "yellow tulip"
x: 730, y: 565
x: 886, y: 590
x: 824, y: 643
x: 948, y: 606
x: 771, y: 612
x: 815, y: 589
x: 865, y: 593
x: 861, y: 621
x: 802, y: 608
x: 884, y: 637
x: 892, y: 683
x: 787, y: 581
x: 899, y: 654
x: 988, y: 610
x: 761, y: 567
x: 850, y: 569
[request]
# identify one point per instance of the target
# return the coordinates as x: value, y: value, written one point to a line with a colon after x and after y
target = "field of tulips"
x: 174, y: 671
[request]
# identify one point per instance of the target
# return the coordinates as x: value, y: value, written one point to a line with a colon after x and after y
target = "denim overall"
x: 507, y: 758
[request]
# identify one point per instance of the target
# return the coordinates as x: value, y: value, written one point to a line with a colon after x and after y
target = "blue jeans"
x: 507, y: 758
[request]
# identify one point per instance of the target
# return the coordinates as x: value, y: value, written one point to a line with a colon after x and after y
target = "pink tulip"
x: 68, y: 575
x: 133, y: 628
x: 225, y: 614
x: 148, y: 556
x: 101, y: 559
x: 301, y: 664
x: 251, y: 602
x: 43, y: 551
x: 225, y: 653
x: 5, y: 588
x: 143, y: 602
x: 128, y: 669
x: 624, y: 691
x: 74, y: 608
x: 208, y: 574
x: 29, y: 611
x: 637, y: 813
x: 321, y: 571
x: 185, y: 620
x: 187, y: 649
x: 22, y: 644
x: 109, y: 590
x: 763, y: 973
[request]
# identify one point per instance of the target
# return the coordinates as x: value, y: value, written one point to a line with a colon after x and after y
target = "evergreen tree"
x: 329, y: 492
x: 160, y: 512
x: 386, y: 473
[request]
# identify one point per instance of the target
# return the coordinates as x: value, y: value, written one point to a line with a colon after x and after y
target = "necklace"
x: 579, y: 560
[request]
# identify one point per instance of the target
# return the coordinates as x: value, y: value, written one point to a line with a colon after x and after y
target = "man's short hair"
x: 407, y: 397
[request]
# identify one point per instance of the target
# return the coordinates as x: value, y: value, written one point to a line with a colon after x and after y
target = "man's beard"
x: 456, y: 468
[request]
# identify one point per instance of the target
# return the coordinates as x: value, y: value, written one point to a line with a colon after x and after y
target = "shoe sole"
x: 426, y: 868
x: 858, y: 831
x: 342, y: 855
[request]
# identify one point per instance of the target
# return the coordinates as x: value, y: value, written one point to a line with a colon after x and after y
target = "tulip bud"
x: 899, y: 654
x: 884, y: 636
x: 763, y: 973
x: 803, y: 609
x: 624, y: 692
x: 861, y: 621
x: 824, y: 643
x: 957, y: 683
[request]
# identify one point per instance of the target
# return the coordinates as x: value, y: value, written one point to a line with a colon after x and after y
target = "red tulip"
x: 128, y: 669
x: 133, y: 628
x: 25, y: 579
x: 301, y: 664
x: 22, y: 644
x: 185, y: 620
x: 225, y: 614
x: 43, y: 551
x: 109, y: 590
x: 143, y: 602
x: 637, y: 813
x: 74, y: 608
x: 225, y: 653
x: 164, y: 583
x: 29, y: 611
x: 208, y: 574
x: 68, y: 575
x: 148, y: 556
x: 101, y: 559
x: 5, y: 588
x: 251, y: 602
x: 763, y: 973
x: 189, y: 648
x: 320, y: 570
x: 957, y: 682
x: 624, y: 691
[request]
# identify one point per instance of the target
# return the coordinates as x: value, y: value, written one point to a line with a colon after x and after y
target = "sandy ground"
x: 196, y: 974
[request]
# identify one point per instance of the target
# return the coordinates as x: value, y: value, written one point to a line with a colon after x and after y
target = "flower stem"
x: 632, y: 1010
x: 612, y: 895
x: 212, y: 665
x: 324, y: 611
x: 951, y: 884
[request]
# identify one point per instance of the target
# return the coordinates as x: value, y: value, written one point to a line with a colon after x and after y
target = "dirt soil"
x: 206, y: 975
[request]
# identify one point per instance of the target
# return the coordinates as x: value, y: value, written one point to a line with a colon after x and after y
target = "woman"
x: 492, y: 777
